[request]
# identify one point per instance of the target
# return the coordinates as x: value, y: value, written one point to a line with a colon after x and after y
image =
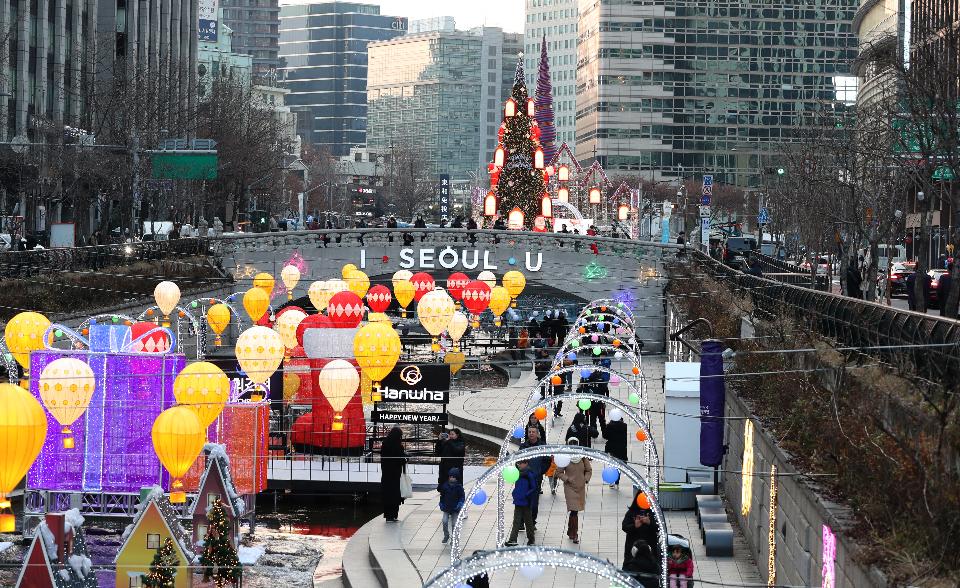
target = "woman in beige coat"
x: 575, y: 478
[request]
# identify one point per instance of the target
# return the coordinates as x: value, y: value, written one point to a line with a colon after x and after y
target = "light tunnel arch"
x: 510, y: 557
x: 626, y: 348
x: 630, y: 380
x: 553, y: 450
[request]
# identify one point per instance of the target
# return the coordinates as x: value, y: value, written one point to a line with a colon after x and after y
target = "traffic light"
x: 781, y: 171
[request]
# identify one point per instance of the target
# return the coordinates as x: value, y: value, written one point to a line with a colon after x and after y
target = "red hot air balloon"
x: 476, y: 298
x: 422, y: 283
x: 379, y: 298
x: 456, y: 283
x: 345, y: 310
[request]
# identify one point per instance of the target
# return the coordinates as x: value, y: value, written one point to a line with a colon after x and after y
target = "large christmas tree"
x: 544, y: 104
x: 163, y: 568
x: 518, y: 183
x: 219, y: 559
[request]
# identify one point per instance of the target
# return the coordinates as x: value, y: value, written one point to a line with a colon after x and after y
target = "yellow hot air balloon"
x: 488, y: 278
x: 403, y: 292
x: 291, y: 385
x: 435, y: 310
x: 23, y: 428
x: 456, y: 328
x: 290, y: 276
x: 514, y: 282
x: 455, y: 360
x: 66, y: 386
x: 346, y: 269
x: 203, y: 388
x: 499, y: 302
x: 218, y: 317
x: 338, y: 381
x: 378, y: 317
x: 376, y: 347
x: 358, y: 282
x: 259, y: 351
x: 265, y: 282
x: 178, y: 437
x: 167, y: 295
x: 23, y: 334
x: 401, y: 276
x: 286, y: 326
x: 256, y: 303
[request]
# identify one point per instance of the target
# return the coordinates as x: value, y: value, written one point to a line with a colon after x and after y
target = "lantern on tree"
x: 510, y: 108
x: 623, y: 212
x: 490, y: 204
x: 476, y: 299
x: 538, y: 158
x: 563, y: 194
x: 435, y: 309
x: 594, y: 195
x: 498, y: 157
x: 531, y: 107
x: 563, y: 173
x: 546, y: 206
x: 515, y: 219
x: 379, y: 298
x: 338, y: 381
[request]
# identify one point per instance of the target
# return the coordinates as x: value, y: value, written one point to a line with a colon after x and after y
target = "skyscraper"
x: 879, y: 26
x: 323, y: 49
x: 687, y: 87
x: 256, y: 32
x: 556, y: 20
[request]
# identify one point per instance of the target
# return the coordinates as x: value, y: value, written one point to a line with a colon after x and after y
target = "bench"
x: 718, y: 539
x: 710, y: 519
x: 705, y: 481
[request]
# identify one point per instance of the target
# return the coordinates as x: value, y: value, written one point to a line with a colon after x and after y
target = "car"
x: 736, y: 250
x: 898, y: 276
x: 933, y: 298
x: 823, y: 265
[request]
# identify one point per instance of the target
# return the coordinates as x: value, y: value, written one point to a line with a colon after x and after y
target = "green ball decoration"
x: 115, y: 319
x: 511, y: 474
x: 596, y: 351
x: 193, y: 304
x: 58, y: 333
x: 634, y: 398
x: 589, y: 312
x: 584, y: 404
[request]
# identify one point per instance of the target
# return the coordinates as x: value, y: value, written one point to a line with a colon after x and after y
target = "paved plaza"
x: 421, y: 535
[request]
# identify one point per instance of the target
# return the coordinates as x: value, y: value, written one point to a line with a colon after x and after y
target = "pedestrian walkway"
x: 601, y: 534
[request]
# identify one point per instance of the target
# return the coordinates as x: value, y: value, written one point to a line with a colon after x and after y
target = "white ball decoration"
x: 531, y: 572
x: 562, y: 461
x: 616, y: 415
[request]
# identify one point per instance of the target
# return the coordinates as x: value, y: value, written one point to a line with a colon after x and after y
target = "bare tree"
x: 409, y: 182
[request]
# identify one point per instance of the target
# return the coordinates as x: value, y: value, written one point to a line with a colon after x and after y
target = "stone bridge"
x: 582, y: 266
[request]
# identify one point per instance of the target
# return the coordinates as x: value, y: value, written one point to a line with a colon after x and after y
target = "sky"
x: 507, y: 14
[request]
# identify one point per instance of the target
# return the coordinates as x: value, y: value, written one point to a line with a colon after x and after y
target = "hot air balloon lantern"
x: 286, y: 326
x: 401, y: 276
x: 476, y: 298
x: 514, y: 282
x: 23, y: 429
x: 167, y: 295
x: 456, y: 328
x: 347, y: 269
x: 345, y: 310
x: 66, y: 386
x: 203, y: 388
x: 256, y: 303
x: 338, y: 381
x: 358, y: 283
x: 488, y: 278
x: 290, y: 276
x: 404, y: 292
x: 422, y: 284
x: 218, y: 317
x: 499, y: 302
x: 265, y: 282
x: 178, y: 437
x: 259, y: 351
x: 455, y: 285
x: 379, y: 298
x: 23, y: 334
x: 376, y: 347
x: 435, y: 309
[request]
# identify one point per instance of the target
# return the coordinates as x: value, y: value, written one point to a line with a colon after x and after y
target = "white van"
x: 887, y: 254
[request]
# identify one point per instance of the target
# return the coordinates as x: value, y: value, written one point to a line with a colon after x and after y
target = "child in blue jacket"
x: 524, y: 492
x: 451, y: 499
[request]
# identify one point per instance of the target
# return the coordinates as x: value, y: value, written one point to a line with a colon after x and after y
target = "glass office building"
x: 687, y: 87
x: 323, y: 54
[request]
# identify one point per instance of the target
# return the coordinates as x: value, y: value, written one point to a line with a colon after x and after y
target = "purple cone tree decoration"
x: 544, y: 104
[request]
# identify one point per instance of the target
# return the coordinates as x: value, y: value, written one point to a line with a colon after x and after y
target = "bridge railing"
x: 790, y: 273
x: 930, y: 343
x: 21, y: 264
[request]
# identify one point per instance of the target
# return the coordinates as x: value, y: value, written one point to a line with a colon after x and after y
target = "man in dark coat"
x: 642, y: 564
x: 616, y: 446
x: 639, y: 523
x: 538, y: 466
x: 943, y: 288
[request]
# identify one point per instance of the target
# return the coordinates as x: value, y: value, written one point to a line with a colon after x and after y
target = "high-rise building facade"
x: 446, y: 24
x: 442, y: 94
x: 879, y: 27
x: 555, y: 21
x: 323, y: 51
x: 256, y: 32
x: 687, y: 87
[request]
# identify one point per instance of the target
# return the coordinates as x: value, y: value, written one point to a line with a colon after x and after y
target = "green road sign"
x: 183, y: 165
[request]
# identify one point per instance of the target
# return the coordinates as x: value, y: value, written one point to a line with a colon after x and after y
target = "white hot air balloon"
x: 339, y: 381
x: 457, y: 327
x: 290, y: 276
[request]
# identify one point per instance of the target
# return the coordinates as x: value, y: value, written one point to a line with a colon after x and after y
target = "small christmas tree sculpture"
x: 544, y: 104
x: 219, y: 559
x: 163, y: 568
x: 517, y: 175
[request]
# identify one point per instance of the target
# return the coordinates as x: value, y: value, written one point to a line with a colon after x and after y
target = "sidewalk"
x: 600, y: 523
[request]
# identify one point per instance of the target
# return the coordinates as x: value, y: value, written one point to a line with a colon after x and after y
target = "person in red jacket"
x: 679, y: 567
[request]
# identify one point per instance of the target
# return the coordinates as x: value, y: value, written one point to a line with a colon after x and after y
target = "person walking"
x: 854, y: 279
x: 451, y: 449
x: 539, y: 465
x: 523, y: 493
x: 393, y: 464
x: 943, y: 288
x: 541, y: 364
x: 575, y: 478
x: 639, y: 523
x: 642, y: 565
x: 451, y: 500
x: 616, y: 435
x: 581, y: 431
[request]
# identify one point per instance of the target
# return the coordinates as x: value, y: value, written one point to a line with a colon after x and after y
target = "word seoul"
x: 449, y: 258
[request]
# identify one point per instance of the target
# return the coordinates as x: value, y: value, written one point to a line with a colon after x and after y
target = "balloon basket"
x: 25, y: 382
x: 218, y: 341
x: 403, y: 313
x: 435, y: 347
x: 475, y: 324
x: 337, y: 426
x: 4, y: 502
x: 513, y: 303
x: 8, y: 523
x: 497, y: 322
x: 256, y: 397
x: 178, y: 497
x: 289, y: 295
x: 68, y: 442
x: 375, y: 394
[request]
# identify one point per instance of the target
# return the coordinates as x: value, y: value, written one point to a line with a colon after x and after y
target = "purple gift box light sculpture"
x: 114, y: 448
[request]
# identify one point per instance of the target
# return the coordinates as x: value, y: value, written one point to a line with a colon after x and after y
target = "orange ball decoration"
x: 556, y: 380
x: 212, y: 301
x: 85, y: 332
x: 582, y: 330
x: 616, y: 342
x: 636, y: 371
x: 540, y: 413
x: 150, y: 312
x: 603, y: 309
x: 643, y: 501
x: 182, y: 314
x: 641, y: 436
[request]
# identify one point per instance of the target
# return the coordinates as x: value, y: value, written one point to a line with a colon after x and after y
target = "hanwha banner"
x: 422, y: 384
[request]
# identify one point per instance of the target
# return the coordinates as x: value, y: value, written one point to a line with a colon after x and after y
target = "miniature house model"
x: 156, y: 521
x: 57, y: 557
x: 216, y: 484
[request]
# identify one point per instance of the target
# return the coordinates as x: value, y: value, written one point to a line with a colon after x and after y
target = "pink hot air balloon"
x: 345, y: 310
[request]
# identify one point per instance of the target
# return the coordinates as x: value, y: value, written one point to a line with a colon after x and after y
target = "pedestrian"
x: 682, y: 242
x: 451, y: 449
x: 561, y: 327
x: 575, y: 478
x: 451, y: 500
x: 943, y: 288
x: 534, y: 422
x: 498, y: 225
x: 393, y: 464
x: 755, y: 268
x: 533, y: 327
x: 679, y: 567
x: 541, y: 364
x: 853, y: 279
x: 639, y: 523
x: 480, y: 580
x: 538, y: 465
x: 616, y: 435
x: 457, y: 222
x: 642, y: 565
x: 523, y: 493
x: 581, y: 431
